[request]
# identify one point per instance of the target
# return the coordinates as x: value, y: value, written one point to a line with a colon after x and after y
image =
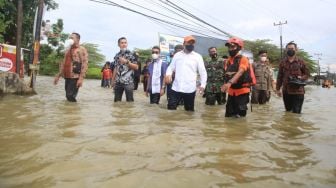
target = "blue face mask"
x: 190, y: 47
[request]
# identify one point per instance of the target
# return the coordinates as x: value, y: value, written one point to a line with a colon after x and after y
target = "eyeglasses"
x: 155, y: 52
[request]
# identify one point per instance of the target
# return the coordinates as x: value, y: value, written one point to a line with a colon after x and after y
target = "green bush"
x: 93, y: 73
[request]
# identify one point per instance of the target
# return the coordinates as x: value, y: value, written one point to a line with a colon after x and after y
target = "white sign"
x: 6, y: 64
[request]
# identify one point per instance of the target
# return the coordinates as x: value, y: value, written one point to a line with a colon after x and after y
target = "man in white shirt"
x: 186, y: 64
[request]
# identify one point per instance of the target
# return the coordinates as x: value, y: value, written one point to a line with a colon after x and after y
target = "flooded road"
x: 48, y: 142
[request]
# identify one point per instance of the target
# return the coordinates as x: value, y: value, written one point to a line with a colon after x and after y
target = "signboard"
x: 8, y: 59
x: 167, y: 44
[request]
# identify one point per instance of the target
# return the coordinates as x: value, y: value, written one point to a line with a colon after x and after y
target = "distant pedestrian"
x: 145, y: 74
x: 107, y: 75
x: 73, y: 68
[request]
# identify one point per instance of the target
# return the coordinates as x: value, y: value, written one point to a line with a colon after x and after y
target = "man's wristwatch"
x: 230, y: 82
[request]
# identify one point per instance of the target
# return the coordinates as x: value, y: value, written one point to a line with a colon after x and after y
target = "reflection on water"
x: 48, y: 142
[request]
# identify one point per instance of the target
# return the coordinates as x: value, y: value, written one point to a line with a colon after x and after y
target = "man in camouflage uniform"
x: 215, y: 72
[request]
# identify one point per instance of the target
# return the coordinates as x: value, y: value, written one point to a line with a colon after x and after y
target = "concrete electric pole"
x: 318, y: 67
x: 280, y: 30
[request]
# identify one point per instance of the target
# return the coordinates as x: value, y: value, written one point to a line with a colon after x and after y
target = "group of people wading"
x: 187, y: 73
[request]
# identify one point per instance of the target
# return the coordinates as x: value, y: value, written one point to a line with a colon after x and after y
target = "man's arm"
x: 61, y: 70
x: 202, y: 72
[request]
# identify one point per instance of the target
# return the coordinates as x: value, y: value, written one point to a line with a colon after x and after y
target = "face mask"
x: 155, y: 56
x: 190, y: 47
x: 263, y: 59
x: 68, y: 43
x: 213, y: 56
x: 290, y: 52
x: 233, y: 52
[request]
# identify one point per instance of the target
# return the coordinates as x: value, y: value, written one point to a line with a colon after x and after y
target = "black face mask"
x: 234, y: 52
x: 190, y: 47
x: 213, y: 56
x: 290, y: 52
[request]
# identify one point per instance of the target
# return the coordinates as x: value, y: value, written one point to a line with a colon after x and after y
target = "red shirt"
x: 107, y: 74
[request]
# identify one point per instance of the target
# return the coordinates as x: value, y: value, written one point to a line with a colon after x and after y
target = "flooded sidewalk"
x: 48, y: 142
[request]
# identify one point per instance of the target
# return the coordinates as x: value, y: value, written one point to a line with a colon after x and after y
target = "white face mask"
x: 263, y: 59
x: 155, y: 56
x: 68, y: 43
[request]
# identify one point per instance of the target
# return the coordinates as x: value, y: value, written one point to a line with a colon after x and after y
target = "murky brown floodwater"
x: 48, y: 142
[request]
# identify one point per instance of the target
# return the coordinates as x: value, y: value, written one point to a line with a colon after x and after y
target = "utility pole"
x: 280, y: 30
x: 34, y: 61
x: 318, y: 67
x: 19, y: 36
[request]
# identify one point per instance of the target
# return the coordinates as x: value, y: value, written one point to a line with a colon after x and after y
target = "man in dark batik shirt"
x: 123, y: 69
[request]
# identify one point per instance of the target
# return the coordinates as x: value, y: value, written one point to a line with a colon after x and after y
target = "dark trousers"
x: 119, y: 89
x: 71, y: 89
x: 154, y: 98
x: 223, y: 98
x: 145, y: 82
x: 259, y: 96
x: 211, y: 98
x: 188, y: 98
x: 136, y: 82
x: 293, y: 102
x: 106, y: 83
x: 237, y: 105
x: 170, y: 93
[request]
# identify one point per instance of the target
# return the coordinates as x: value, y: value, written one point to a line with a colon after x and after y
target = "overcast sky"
x: 310, y: 23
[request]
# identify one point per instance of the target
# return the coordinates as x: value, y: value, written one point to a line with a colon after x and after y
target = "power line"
x: 199, y: 29
x: 151, y: 17
x: 199, y: 19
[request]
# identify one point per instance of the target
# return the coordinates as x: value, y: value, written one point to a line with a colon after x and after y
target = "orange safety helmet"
x: 235, y: 40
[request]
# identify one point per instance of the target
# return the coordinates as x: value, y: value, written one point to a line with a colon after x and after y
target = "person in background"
x: 264, y: 76
x: 292, y: 74
x: 73, y: 68
x: 186, y: 64
x: 102, y: 80
x: 225, y: 58
x: 137, y: 73
x: 145, y: 74
x: 215, y: 71
x: 157, y: 71
x: 107, y: 75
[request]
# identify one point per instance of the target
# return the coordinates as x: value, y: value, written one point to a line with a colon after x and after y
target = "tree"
x: 8, y: 15
x: 95, y: 57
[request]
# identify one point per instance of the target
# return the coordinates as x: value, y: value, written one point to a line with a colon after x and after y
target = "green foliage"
x: 93, y: 73
x: 144, y: 54
x: 8, y: 15
x: 49, y: 60
x: 95, y: 57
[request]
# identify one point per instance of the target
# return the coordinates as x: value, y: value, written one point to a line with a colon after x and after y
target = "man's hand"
x: 56, y: 80
x: 122, y: 60
x: 162, y: 91
x: 168, y: 79
x: 79, y: 82
x: 278, y: 93
x: 146, y: 93
x: 225, y: 87
x: 200, y: 90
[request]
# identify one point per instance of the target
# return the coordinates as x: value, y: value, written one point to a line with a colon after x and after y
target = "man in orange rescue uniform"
x: 237, y: 80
